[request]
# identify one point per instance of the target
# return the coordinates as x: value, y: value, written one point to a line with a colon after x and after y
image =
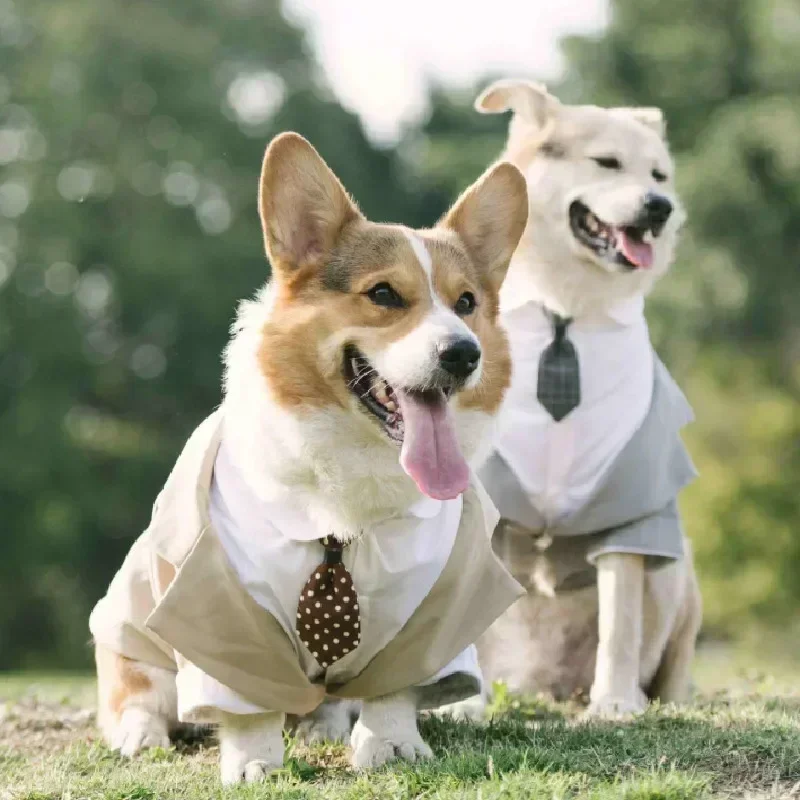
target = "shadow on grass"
x: 731, y: 750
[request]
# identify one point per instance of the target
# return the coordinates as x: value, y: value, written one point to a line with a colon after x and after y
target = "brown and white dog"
x: 364, y: 377
x: 602, y: 228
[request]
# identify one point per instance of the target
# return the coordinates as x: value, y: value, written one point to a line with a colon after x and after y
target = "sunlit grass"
x: 744, y: 743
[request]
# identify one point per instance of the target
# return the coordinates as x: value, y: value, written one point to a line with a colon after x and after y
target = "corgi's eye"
x: 607, y: 162
x: 465, y: 304
x: 658, y: 175
x: 382, y: 294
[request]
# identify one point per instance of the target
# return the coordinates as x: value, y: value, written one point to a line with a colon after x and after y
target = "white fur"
x: 620, y: 585
x: 411, y: 360
x: 334, y: 461
x: 144, y: 716
x: 330, y: 722
x: 250, y: 747
x: 550, y: 265
x: 139, y: 728
x: 387, y: 729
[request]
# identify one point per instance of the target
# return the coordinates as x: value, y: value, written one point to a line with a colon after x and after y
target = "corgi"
x: 322, y: 540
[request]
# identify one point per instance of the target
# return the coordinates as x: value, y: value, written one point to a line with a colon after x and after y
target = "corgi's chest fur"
x: 329, y: 460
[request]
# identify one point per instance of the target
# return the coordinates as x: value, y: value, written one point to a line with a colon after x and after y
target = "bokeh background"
x: 131, y: 134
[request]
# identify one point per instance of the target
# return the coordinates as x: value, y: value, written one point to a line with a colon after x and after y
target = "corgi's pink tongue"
x: 430, y: 453
x: 639, y: 253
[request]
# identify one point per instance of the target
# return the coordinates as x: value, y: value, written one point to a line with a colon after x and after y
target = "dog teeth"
x: 380, y: 393
x: 391, y: 406
x: 592, y: 223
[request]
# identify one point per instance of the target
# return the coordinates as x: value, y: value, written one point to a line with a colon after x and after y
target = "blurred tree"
x: 725, y: 73
x: 131, y: 136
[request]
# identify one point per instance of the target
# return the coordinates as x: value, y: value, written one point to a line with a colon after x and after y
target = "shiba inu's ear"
x: 302, y: 204
x: 652, y: 118
x: 530, y: 100
x: 490, y: 217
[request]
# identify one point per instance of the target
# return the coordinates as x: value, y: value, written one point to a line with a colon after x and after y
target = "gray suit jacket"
x: 634, y: 509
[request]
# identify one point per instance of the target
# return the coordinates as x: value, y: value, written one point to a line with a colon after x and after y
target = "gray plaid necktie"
x: 559, y: 385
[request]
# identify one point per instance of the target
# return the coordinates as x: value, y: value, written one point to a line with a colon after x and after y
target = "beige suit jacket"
x: 177, y: 598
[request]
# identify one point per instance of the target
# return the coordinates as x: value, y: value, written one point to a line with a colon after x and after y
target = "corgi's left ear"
x: 490, y: 217
x: 302, y: 204
x: 652, y: 118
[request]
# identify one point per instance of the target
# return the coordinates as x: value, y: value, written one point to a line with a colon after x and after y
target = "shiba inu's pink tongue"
x: 430, y: 453
x: 639, y: 253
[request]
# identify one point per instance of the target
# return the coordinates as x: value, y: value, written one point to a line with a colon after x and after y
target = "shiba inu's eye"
x: 658, y: 175
x: 607, y: 162
x: 382, y: 294
x: 465, y: 304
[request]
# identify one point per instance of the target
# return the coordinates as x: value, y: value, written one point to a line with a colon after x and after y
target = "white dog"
x: 588, y: 462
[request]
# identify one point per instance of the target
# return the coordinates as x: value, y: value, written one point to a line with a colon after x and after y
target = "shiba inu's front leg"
x: 386, y: 730
x: 616, y: 689
x: 250, y: 746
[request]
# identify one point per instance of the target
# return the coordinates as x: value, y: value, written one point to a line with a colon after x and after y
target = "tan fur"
x: 555, y: 639
x: 137, y: 703
x: 130, y: 680
x: 324, y: 262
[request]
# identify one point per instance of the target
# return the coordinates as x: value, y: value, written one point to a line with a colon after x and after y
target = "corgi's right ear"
x: 529, y: 100
x: 302, y: 204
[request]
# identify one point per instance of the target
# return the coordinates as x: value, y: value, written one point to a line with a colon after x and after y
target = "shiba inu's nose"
x: 657, y: 209
x: 459, y: 357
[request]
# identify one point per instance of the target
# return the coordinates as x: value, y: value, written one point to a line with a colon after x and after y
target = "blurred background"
x: 131, y: 135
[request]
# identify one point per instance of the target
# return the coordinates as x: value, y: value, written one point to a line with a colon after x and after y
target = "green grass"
x: 744, y: 744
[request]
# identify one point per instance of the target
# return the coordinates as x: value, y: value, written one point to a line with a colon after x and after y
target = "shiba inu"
x: 321, y: 535
x: 588, y: 461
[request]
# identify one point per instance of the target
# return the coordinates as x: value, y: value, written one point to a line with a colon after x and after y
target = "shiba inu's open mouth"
x: 623, y: 244
x: 416, y: 419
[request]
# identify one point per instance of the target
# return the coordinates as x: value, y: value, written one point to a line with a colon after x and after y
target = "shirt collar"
x: 624, y: 313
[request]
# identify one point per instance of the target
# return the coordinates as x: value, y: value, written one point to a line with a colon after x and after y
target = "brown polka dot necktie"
x: 328, y: 622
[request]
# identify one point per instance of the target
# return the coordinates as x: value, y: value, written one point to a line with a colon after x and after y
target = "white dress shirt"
x: 559, y: 464
x: 274, y: 548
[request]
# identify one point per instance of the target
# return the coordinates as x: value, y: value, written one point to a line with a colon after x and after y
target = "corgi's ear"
x: 302, y: 204
x: 490, y: 217
x: 652, y: 118
x: 529, y: 100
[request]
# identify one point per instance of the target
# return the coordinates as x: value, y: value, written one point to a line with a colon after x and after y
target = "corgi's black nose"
x: 459, y: 357
x: 657, y: 208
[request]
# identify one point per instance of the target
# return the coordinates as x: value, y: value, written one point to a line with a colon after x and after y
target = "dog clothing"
x: 605, y: 476
x: 214, y: 586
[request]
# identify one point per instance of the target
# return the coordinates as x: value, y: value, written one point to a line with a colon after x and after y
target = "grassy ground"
x: 733, y: 743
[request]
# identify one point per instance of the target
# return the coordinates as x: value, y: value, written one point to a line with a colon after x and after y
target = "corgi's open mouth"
x: 418, y: 420
x: 374, y: 393
x: 624, y: 244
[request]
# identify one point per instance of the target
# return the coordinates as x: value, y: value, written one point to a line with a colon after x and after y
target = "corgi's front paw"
x: 250, y: 747
x: 372, y: 749
x: 137, y: 730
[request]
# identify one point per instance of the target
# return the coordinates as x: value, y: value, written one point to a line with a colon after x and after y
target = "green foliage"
x: 725, y: 73
x: 131, y: 135
x: 725, y: 318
